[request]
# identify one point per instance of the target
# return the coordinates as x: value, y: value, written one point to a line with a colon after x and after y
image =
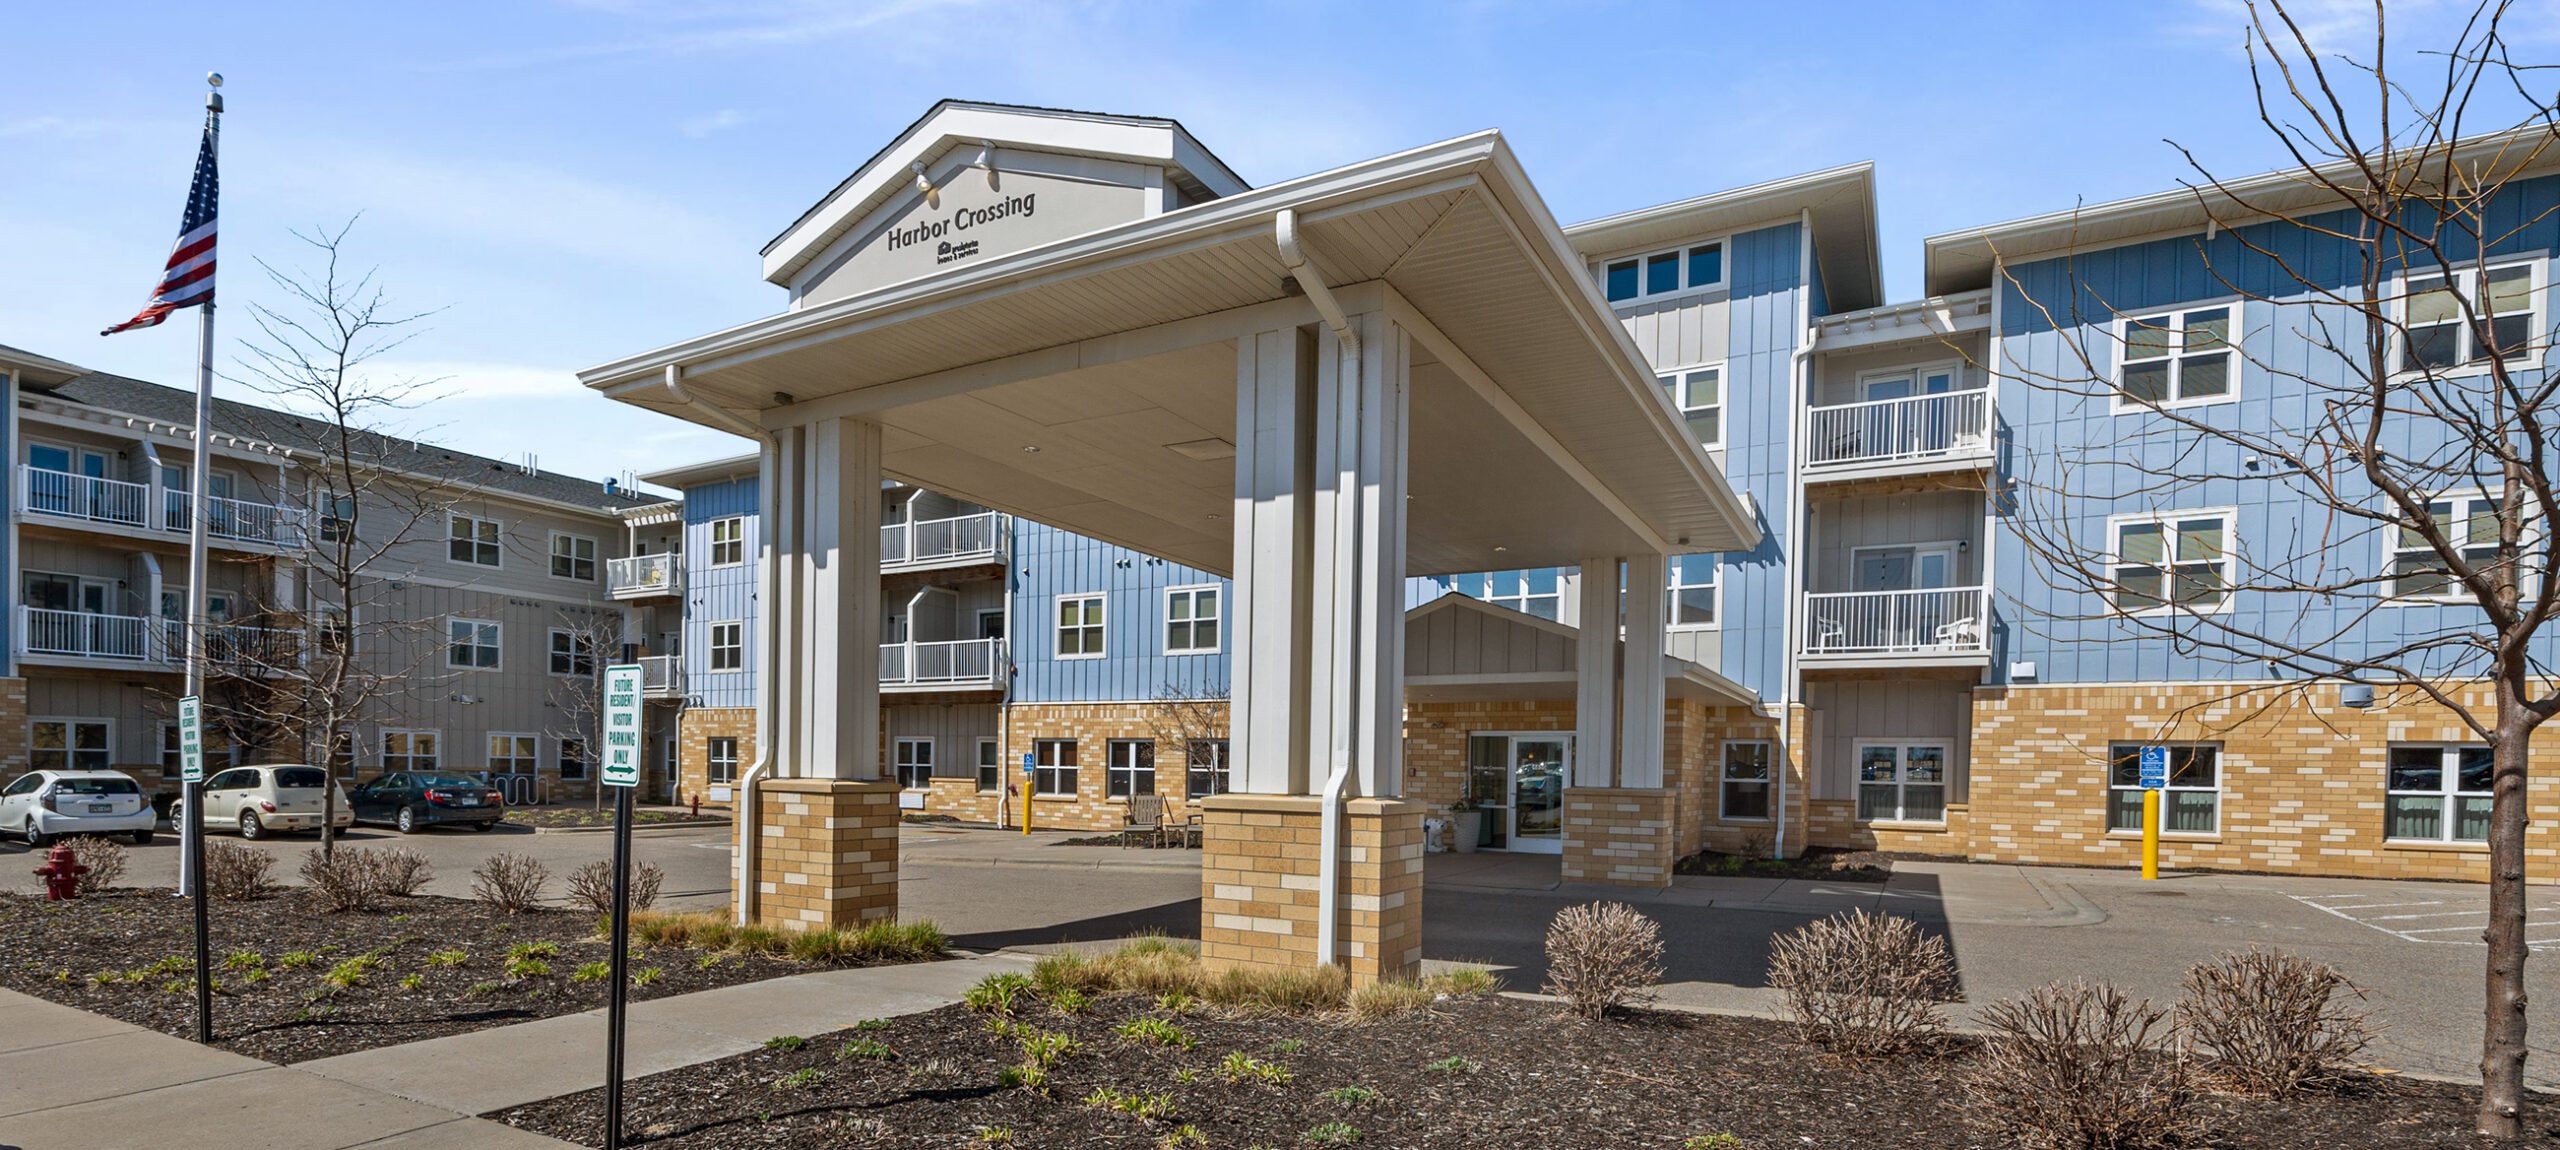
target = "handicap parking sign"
x: 2155, y: 768
x: 1028, y: 765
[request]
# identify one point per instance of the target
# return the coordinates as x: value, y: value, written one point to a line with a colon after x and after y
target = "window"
x: 2438, y: 794
x: 342, y: 752
x: 573, y: 557
x: 2177, y: 357
x: 412, y: 750
x: 1053, y: 764
x: 1693, y: 590
x: 1191, y: 621
x: 2469, y: 522
x: 1211, y: 773
x: 170, y: 762
x: 1133, y: 768
x: 471, y: 643
x: 2437, y: 339
x: 1902, y: 782
x: 990, y: 765
x: 1699, y: 394
x: 1079, y: 626
x: 572, y: 653
x: 914, y: 760
x: 472, y: 540
x: 1699, y: 267
x: 728, y: 645
x: 68, y: 745
x: 338, y: 519
x: 728, y: 541
x: 337, y: 632
x: 2191, y: 805
x: 1537, y: 592
x: 515, y: 754
x: 720, y: 760
x: 2182, y: 559
x: 1746, y: 781
x: 573, y: 758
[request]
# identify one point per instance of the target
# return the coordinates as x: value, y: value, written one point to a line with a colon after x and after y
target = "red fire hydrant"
x: 61, y: 872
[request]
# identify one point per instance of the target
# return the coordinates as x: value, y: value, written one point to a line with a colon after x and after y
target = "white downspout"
x: 1346, y: 608
x: 742, y: 811
x: 1800, y: 381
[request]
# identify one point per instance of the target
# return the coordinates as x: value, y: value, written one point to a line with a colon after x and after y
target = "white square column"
x: 1595, y: 701
x: 1267, y: 629
x: 1640, y: 684
x: 825, y: 625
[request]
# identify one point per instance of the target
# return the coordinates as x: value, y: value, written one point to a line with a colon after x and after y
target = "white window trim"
x: 498, y: 640
x: 1192, y: 589
x: 1225, y: 770
x: 711, y: 551
x: 2454, y: 595
x: 560, y: 760
x: 736, y: 756
x: 2121, y: 404
x: 1901, y: 772
x: 1112, y: 770
x: 489, y: 763
x: 2230, y: 517
x: 1671, y: 595
x: 1954, y: 369
x: 2450, y: 754
x: 2221, y: 771
x: 711, y: 646
x: 548, y: 650
x: 69, y: 743
x: 2466, y: 280
x: 1723, y: 406
x: 476, y: 521
x: 979, y: 764
x: 1954, y: 549
x: 1521, y: 601
x: 382, y: 747
x: 1038, y: 767
x: 1723, y: 752
x: 897, y: 759
x: 1058, y: 629
x: 1723, y: 281
x: 595, y: 560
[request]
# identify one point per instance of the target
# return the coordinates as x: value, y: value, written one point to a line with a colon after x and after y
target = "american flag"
x: 188, y: 280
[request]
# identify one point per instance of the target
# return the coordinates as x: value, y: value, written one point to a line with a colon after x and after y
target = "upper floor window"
x: 2181, y: 559
x: 2436, y: 338
x: 573, y: 556
x: 728, y: 645
x: 1698, y: 267
x: 572, y: 653
x: 1693, y: 590
x: 1191, y: 621
x: 471, y: 643
x: 1539, y: 592
x: 337, y: 518
x: 2176, y: 357
x: 729, y: 541
x: 1079, y: 626
x: 2469, y: 522
x: 473, y: 540
x: 1699, y: 394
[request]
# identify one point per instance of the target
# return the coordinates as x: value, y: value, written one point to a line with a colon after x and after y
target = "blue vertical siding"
x: 718, y: 594
x: 1047, y: 563
x: 1767, y: 277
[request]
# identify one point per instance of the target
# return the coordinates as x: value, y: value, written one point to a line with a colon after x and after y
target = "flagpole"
x: 198, y: 493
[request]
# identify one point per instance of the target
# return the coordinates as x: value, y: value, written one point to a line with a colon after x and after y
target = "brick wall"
x: 1258, y: 882
x: 1092, y: 726
x: 827, y: 855
x: 1621, y: 836
x: 693, y: 747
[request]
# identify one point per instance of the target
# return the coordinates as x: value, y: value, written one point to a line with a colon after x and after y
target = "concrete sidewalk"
x: 72, y: 1080
x: 504, y: 1066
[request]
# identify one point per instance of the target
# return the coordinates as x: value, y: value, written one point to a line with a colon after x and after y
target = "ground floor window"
x: 1745, y: 792
x: 68, y: 745
x: 2438, y: 794
x: 573, y: 758
x: 915, y: 763
x: 412, y: 750
x: 990, y: 766
x: 2192, y: 804
x: 1902, y: 782
x: 515, y: 754
x: 1210, y: 773
x: 1053, y: 766
x: 720, y: 759
x: 1133, y: 767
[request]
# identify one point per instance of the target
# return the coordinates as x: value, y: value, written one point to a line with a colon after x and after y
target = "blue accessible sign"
x: 2155, y: 768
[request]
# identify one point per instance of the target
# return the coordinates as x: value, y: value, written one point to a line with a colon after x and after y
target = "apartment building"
x: 1891, y: 667
x: 481, y: 612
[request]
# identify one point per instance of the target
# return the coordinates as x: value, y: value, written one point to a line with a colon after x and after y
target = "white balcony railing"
x: 1933, y: 621
x: 959, y: 662
x: 234, y: 519
x: 644, y: 576
x: 958, y: 539
x: 89, y: 635
x: 661, y: 675
x: 1920, y: 428
x: 62, y: 494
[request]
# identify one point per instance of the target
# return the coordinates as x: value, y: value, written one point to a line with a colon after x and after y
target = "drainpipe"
x: 742, y: 811
x: 1800, y: 380
x: 1346, y: 608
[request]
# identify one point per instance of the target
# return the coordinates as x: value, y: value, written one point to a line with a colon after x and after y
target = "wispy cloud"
x: 668, y: 30
x: 712, y: 123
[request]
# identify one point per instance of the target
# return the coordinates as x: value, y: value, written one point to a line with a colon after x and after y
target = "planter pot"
x: 1470, y: 830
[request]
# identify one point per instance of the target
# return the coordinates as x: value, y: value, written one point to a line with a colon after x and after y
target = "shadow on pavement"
x: 1179, y: 919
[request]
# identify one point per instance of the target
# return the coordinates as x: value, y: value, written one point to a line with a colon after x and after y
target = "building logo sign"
x: 949, y: 234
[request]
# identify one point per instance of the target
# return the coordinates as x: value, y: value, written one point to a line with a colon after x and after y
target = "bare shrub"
x: 1864, y: 985
x: 404, y: 872
x: 591, y: 886
x: 237, y: 873
x: 510, y: 882
x: 2270, y: 1023
x: 346, y: 880
x: 2080, y: 1066
x: 1602, y: 956
x: 104, y: 857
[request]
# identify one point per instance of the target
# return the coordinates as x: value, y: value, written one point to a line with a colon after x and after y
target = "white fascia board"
x: 685, y: 475
x: 1719, y: 211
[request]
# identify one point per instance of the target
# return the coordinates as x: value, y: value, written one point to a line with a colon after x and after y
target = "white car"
x: 45, y: 805
x: 260, y: 800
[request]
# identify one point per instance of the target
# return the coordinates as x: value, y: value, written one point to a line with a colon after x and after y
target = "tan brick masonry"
x: 1258, y: 884
x: 827, y: 854
x: 1621, y: 836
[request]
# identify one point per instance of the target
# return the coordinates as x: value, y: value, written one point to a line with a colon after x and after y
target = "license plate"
x: 101, y: 808
x: 467, y: 801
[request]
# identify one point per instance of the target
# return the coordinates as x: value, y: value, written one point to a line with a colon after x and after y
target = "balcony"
x: 661, y: 676
x: 117, y: 504
x: 959, y: 541
x: 237, y: 520
x: 645, y: 576
x: 1931, y: 627
x: 932, y: 666
x: 1949, y: 431
x: 154, y: 644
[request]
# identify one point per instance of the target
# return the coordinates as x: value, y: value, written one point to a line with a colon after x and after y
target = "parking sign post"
x: 191, y: 772
x: 2154, y: 778
x: 621, y: 772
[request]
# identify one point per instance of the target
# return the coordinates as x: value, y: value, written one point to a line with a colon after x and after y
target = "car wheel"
x: 407, y: 822
x: 36, y: 839
x: 142, y: 838
x: 250, y: 828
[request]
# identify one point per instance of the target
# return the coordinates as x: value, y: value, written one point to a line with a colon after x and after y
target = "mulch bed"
x: 1820, y: 863
x: 590, y: 817
x: 146, y: 938
x: 1532, y: 1078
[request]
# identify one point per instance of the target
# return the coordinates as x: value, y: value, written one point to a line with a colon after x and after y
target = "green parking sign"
x: 191, y: 739
x: 622, y: 725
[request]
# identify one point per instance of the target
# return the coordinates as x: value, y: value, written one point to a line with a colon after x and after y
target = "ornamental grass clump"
x: 1864, y: 985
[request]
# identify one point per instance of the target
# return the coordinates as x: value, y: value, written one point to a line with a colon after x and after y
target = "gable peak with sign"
x: 969, y: 181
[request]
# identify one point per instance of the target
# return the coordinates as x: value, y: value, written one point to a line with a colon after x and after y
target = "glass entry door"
x: 1538, y: 772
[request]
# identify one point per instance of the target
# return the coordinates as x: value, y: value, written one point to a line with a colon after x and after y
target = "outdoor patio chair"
x: 1965, y: 632
x: 1144, y: 820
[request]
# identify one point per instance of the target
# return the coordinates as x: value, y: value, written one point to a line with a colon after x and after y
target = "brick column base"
x: 1258, y: 884
x: 827, y: 853
x: 1618, y: 835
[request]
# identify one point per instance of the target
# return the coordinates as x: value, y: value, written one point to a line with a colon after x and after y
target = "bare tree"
x: 2409, y: 418
x: 1189, y: 722
x: 575, y: 702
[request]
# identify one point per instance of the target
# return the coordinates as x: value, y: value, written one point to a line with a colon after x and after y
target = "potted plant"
x: 1466, y: 826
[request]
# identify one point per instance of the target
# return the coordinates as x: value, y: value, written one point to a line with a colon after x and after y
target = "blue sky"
x: 567, y: 182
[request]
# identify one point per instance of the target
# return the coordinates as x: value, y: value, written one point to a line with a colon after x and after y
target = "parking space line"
x: 2343, y: 906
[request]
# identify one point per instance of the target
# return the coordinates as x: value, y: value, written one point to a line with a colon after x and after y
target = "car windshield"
x: 302, y: 777
x: 96, y: 785
x: 445, y: 781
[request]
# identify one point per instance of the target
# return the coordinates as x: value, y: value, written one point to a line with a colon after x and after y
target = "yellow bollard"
x: 2150, y: 834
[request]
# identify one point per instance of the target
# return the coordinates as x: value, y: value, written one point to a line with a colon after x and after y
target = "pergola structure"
x: 1315, y: 388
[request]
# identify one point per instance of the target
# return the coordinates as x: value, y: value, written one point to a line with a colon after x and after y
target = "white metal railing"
x: 641, y: 575
x: 661, y: 675
x: 1931, y: 621
x: 1949, y: 424
x: 48, y: 632
x: 239, y: 519
x: 81, y: 496
x: 942, y: 540
x: 957, y: 661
